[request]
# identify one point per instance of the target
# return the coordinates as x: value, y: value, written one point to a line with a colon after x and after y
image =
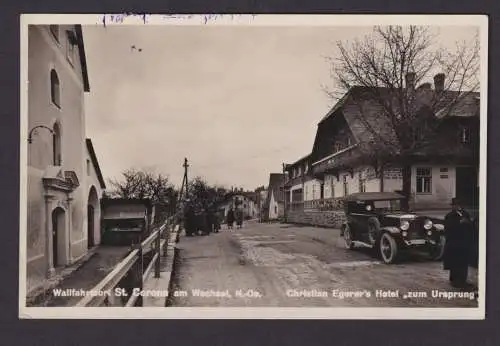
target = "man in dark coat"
x: 459, y: 242
x: 230, y: 218
x: 189, y: 219
x: 239, y: 218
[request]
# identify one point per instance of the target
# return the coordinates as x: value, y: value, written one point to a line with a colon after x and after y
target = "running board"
x: 363, y: 244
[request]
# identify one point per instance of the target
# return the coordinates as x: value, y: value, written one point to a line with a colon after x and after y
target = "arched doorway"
x: 92, y: 217
x: 90, y: 228
x: 58, y: 232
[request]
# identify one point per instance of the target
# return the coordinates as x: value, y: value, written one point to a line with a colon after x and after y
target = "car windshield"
x: 388, y: 205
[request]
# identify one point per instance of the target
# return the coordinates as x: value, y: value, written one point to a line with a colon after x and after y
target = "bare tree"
x: 386, y: 67
x: 136, y: 183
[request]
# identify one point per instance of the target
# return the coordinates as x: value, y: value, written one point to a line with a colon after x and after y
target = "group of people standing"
x: 233, y: 216
x: 198, y: 218
x: 207, y: 219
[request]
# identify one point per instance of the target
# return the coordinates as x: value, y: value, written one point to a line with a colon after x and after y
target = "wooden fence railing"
x: 130, y: 273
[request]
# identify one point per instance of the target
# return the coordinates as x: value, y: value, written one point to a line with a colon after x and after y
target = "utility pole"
x: 184, y: 179
x: 284, y: 193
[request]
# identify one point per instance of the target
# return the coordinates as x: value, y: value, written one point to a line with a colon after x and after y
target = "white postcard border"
x: 480, y: 21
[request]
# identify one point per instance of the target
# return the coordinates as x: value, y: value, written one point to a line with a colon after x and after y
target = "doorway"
x: 90, y: 226
x: 467, y: 185
x: 57, y: 235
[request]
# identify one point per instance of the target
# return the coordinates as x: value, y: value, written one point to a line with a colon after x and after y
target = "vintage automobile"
x: 375, y: 220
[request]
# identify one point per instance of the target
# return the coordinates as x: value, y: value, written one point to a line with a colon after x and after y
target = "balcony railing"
x: 326, y: 204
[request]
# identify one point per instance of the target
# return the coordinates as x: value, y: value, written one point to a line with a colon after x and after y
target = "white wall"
x: 443, y: 187
x: 44, y: 54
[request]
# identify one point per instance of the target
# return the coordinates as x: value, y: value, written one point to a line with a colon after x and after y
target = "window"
x: 54, y: 30
x: 88, y: 167
x: 314, y: 192
x: 337, y: 147
x: 56, y: 145
x: 362, y: 183
x: 275, y: 209
x: 306, y: 168
x: 300, y: 170
x: 465, y: 135
x: 70, y: 47
x: 424, y: 180
x: 346, y: 186
x: 55, y: 93
x: 418, y: 133
x: 348, y: 141
x: 332, y: 188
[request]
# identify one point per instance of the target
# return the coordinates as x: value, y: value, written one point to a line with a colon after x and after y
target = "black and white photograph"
x: 253, y: 166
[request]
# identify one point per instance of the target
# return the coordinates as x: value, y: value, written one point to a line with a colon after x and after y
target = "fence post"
x: 138, y: 275
x: 158, y: 251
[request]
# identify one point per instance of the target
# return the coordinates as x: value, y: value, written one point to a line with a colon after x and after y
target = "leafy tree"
x: 136, y: 183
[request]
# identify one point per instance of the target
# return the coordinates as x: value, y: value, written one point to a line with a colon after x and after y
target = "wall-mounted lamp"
x: 30, y: 134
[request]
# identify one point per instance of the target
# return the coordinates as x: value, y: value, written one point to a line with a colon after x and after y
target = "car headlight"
x: 428, y: 224
x: 404, y: 233
x: 404, y: 225
x: 429, y: 232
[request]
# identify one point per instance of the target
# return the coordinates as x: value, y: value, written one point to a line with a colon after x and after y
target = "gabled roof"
x: 95, y: 163
x: 83, y: 59
x: 363, y: 122
x: 299, y: 161
x: 276, y: 181
x: 457, y: 103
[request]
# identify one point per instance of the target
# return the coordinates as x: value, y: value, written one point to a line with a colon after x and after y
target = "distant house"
x: 244, y: 201
x: 346, y: 154
x: 274, y: 206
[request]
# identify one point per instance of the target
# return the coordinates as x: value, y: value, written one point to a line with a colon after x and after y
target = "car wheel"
x: 436, y: 252
x: 388, y: 248
x: 348, y: 239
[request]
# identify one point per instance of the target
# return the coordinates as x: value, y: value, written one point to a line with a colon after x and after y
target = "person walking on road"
x: 230, y: 218
x: 459, y: 231
x: 239, y: 218
x: 189, y: 219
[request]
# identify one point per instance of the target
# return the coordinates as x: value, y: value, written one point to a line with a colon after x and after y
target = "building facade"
x: 64, y: 180
x: 351, y: 151
x: 274, y: 207
x: 243, y: 201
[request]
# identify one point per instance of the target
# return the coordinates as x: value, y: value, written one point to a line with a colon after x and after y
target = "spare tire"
x: 373, y: 230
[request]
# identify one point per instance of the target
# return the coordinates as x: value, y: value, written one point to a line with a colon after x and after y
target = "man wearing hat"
x: 459, y: 240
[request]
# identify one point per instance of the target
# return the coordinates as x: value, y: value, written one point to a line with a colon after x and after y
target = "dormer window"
x: 465, y: 135
x: 70, y: 46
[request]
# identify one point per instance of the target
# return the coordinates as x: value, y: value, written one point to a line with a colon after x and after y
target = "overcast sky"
x: 236, y: 101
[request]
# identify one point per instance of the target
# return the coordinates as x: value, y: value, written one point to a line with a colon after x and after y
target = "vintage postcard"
x: 253, y: 166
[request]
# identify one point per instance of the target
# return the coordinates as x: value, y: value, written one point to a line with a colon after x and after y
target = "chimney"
x: 410, y: 80
x: 439, y: 82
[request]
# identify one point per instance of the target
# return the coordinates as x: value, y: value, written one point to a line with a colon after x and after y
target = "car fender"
x: 439, y: 227
x: 392, y: 230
